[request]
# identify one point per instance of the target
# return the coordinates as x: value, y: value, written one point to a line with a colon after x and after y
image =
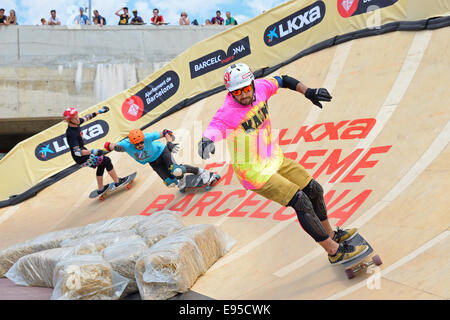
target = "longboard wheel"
x: 377, y: 260
x: 129, y: 186
x: 182, y: 191
x: 102, y: 198
x: 207, y: 188
x: 350, y: 274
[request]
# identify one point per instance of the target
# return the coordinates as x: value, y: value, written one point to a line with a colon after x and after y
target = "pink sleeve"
x: 270, y: 86
x: 217, y: 128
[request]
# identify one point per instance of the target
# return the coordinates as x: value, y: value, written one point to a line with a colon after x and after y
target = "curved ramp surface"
x: 380, y: 149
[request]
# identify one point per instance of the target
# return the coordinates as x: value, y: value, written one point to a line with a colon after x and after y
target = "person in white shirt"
x: 53, y: 20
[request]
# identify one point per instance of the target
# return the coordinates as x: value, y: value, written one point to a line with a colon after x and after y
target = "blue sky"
x: 29, y: 12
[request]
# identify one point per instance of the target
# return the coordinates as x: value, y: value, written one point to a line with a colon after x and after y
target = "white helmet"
x: 237, y: 76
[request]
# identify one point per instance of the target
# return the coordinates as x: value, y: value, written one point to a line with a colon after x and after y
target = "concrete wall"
x: 43, y: 69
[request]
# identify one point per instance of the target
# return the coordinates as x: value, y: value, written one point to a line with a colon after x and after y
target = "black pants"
x: 162, y: 164
x: 106, y: 164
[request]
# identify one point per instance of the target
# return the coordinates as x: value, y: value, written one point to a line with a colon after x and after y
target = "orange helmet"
x: 136, y: 136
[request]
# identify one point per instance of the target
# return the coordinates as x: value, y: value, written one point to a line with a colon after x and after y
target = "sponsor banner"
x: 295, y: 23
x: 151, y: 96
x: 266, y: 41
x: 57, y: 146
x: 219, y: 58
x: 350, y: 8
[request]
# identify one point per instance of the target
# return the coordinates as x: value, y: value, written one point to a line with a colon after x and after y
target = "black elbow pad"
x: 289, y: 82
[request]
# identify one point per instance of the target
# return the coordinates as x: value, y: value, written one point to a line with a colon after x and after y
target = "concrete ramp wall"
x: 380, y: 149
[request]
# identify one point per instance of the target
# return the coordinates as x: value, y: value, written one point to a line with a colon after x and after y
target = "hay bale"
x: 159, y: 225
x: 36, y: 269
x: 96, y: 243
x: 118, y: 224
x: 174, y: 263
x: 11, y: 254
x: 122, y: 257
x: 87, y: 277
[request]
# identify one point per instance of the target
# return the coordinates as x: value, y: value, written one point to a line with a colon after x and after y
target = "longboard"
x: 111, y: 188
x: 196, y: 182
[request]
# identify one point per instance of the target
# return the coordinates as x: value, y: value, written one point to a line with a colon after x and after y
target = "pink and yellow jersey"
x: 255, y: 155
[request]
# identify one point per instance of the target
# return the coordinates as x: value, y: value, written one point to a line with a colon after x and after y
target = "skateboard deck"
x: 111, y: 188
x: 196, y: 182
x: 362, y: 262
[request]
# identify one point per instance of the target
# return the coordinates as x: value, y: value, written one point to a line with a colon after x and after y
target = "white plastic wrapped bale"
x: 87, y: 277
x: 96, y: 243
x: 159, y: 225
x: 122, y: 257
x: 10, y: 255
x: 118, y: 224
x: 36, y: 269
x: 173, y: 264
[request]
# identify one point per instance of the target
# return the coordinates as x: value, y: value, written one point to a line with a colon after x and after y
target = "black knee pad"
x: 307, y: 216
x: 315, y: 192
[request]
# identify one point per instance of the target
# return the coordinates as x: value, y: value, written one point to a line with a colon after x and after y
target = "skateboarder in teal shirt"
x: 145, y: 148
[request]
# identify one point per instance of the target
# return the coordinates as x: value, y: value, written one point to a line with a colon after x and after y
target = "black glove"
x: 173, y: 147
x: 316, y: 95
x: 103, y: 109
x: 205, y: 147
x: 170, y: 133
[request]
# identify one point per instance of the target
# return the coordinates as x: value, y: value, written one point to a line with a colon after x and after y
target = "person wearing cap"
x: 136, y: 19
x: 123, y: 17
x: 81, y: 18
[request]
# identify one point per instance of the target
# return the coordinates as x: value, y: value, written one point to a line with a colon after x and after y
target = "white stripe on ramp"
x: 394, y: 266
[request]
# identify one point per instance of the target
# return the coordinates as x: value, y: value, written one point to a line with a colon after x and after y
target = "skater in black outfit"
x: 88, y: 158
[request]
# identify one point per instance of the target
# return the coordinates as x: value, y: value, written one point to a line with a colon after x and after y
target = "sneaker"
x: 182, y: 183
x: 347, y: 252
x: 206, y: 176
x: 120, y: 182
x: 103, y: 190
x: 344, y: 235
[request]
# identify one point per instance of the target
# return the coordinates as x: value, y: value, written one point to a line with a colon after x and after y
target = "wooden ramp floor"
x: 380, y: 149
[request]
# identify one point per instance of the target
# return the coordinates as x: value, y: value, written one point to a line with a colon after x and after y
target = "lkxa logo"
x: 294, y: 24
x: 219, y: 58
x: 55, y: 147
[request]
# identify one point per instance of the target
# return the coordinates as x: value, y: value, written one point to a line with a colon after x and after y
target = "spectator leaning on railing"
x: 11, y: 19
x: 157, y: 19
x: 3, y: 17
x: 53, y: 20
x: 43, y: 22
x: 81, y: 18
x: 184, y: 20
x: 217, y: 19
x: 124, y: 17
x: 136, y: 19
x: 98, y: 19
x: 230, y: 20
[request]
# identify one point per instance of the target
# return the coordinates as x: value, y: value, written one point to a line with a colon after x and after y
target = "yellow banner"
x: 265, y: 41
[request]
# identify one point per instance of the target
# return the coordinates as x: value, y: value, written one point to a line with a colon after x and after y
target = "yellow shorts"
x: 282, y: 186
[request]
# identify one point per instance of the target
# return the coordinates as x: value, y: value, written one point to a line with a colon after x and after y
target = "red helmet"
x: 69, y: 113
x: 136, y: 136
